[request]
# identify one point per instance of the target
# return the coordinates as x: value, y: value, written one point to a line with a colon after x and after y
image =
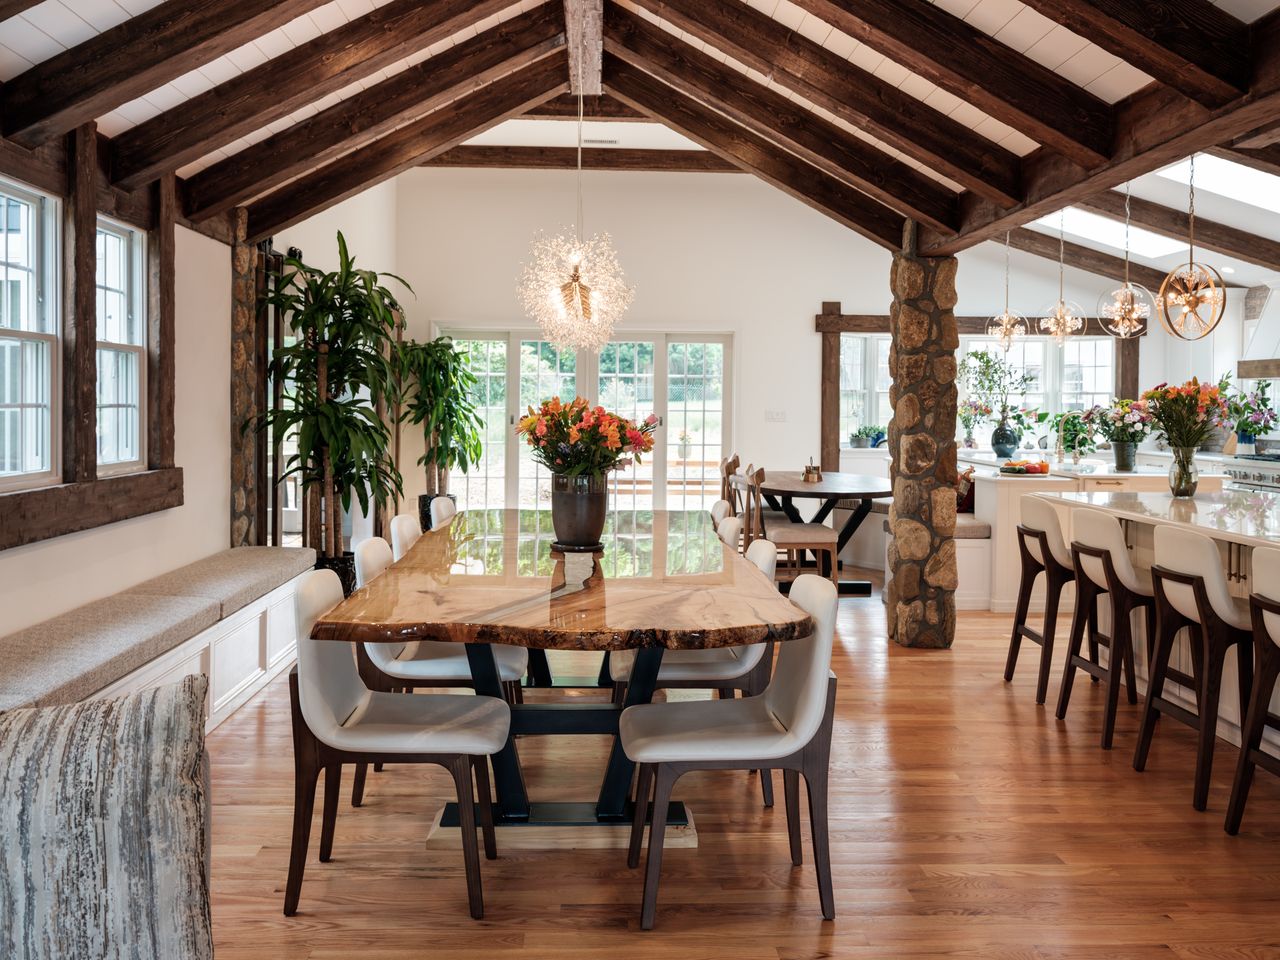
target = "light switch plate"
x: 775, y: 416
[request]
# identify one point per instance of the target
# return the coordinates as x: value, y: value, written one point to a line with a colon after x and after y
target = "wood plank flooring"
x: 966, y: 822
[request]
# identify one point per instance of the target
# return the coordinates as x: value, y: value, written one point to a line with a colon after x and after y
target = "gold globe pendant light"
x: 1126, y: 309
x: 1008, y: 326
x: 1065, y: 317
x: 1193, y: 297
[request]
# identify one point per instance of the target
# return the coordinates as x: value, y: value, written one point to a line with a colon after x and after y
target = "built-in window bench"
x: 229, y: 616
x: 973, y: 556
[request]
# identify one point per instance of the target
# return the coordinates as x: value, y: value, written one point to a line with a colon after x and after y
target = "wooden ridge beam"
x: 1169, y: 222
x: 130, y: 59
x: 11, y: 8
x: 593, y: 158
x: 583, y: 22
x: 738, y: 145
x: 1191, y: 46
x: 603, y: 107
x: 1085, y: 258
x: 854, y: 95
x: 374, y: 112
x: 1265, y: 136
x: 408, y: 146
x: 776, y: 118
x: 1154, y: 127
x: 980, y: 70
x: 285, y: 83
x: 967, y: 326
x: 1264, y: 159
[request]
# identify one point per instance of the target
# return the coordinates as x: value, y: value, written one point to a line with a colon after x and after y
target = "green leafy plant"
x: 335, y: 373
x: 870, y: 431
x: 990, y: 380
x: 436, y: 391
x: 1078, y: 434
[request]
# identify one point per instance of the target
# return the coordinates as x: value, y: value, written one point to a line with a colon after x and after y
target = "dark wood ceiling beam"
x: 276, y: 88
x: 133, y: 58
x: 1265, y: 136
x: 408, y: 146
x: 978, y: 69
x: 603, y: 107
x: 1191, y: 46
x: 1169, y: 222
x: 754, y: 154
x: 375, y: 111
x: 1084, y: 258
x: 11, y: 8
x: 1155, y: 127
x: 583, y: 22
x: 776, y: 118
x: 593, y: 158
x: 1264, y: 159
x: 856, y: 96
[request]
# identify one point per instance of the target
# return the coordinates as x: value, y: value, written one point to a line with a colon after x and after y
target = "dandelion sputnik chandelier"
x: 574, y: 289
x: 1064, y: 317
x: 1007, y: 326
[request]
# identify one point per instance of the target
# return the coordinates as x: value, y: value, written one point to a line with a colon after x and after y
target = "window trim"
x: 135, y: 244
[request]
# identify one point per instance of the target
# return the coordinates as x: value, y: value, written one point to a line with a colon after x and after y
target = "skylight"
x: 1229, y: 179
x: 1096, y: 229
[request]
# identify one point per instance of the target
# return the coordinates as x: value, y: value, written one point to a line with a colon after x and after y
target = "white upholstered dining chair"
x: 729, y: 530
x: 405, y: 531
x: 788, y: 726
x: 338, y: 720
x: 719, y: 510
x: 443, y: 509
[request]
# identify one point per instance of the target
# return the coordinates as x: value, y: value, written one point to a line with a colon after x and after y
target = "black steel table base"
x: 847, y: 588
x: 570, y: 814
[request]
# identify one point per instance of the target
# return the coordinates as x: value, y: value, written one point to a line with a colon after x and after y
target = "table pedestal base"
x: 560, y: 826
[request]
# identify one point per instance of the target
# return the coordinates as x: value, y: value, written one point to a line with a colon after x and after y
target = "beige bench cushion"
x: 78, y: 653
x: 968, y: 527
x: 232, y: 578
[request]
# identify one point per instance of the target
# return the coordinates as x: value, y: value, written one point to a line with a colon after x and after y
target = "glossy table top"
x: 664, y: 579
x: 791, y: 483
x: 1236, y: 516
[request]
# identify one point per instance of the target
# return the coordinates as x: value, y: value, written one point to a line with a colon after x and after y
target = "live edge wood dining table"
x: 664, y: 581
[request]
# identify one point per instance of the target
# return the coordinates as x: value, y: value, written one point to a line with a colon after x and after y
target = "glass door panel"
x: 545, y: 372
x: 695, y: 419
x: 484, y: 485
x: 628, y: 387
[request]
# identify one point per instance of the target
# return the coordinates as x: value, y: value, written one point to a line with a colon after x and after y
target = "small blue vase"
x: 1004, y: 440
x: 1243, y: 437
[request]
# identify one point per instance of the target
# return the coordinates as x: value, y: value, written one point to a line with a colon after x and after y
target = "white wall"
x: 367, y: 222
x: 44, y: 579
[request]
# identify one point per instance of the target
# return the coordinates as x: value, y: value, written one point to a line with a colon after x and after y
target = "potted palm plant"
x: 336, y: 373
x: 437, y: 395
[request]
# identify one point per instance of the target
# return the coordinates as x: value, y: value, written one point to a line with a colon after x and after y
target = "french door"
x: 684, y: 380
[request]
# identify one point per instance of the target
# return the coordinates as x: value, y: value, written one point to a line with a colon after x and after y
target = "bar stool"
x: 1191, y: 592
x: 1101, y: 560
x: 1043, y: 550
x: 1265, y: 609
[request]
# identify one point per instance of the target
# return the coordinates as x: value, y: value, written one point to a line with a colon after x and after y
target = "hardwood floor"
x: 966, y: 822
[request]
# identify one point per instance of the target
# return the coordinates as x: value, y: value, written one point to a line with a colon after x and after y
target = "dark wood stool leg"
x: 1211, y: 689
x: 1131, y: 673
x: 1093, y: 629
x: 1266, y: 672
x: 1079, y: 619
x: 460, y: 767
x: 1167, y: 625
x: 1115, y: 667
x: 1025, y: 586
x: 1244, y: 668
x: 665, y: 778
x: 329, y: 821
x: 1053, y: 595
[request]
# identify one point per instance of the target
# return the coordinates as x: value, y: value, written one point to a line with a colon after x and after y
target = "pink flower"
x: 651, y: 419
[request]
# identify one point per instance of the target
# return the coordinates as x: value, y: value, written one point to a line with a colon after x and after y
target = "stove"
x: 1255, y: 471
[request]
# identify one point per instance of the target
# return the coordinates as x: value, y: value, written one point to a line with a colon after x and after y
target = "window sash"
x: 121, y: 333
x: 15, y: 413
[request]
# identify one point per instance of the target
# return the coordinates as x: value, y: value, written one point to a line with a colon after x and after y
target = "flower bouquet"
x: 1184, y: 417
x: 1250, y: 414
x: 1124, y: 424
x: 971, y: 413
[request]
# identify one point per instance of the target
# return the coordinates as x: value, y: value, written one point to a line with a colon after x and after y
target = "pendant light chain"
x: 1126, y: 233
x: 1006, y: 271
x: 579, y: 151
x: 1191, y: 210
x: 1062, y: 254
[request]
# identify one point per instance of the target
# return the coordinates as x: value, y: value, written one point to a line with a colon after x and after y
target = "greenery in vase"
x: 336, y: 373
x: 1250, y: 412
x: 1026, y: 419
x: 1123, y: 421
x: 992, y: 382
x: 437, y: 395
x: 1077, y: 435
x: 870, y: 431
x: 576, y: 439
x: 1185, y: 416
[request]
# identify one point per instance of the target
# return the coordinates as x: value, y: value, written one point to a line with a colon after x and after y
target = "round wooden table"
x: 664, y: 581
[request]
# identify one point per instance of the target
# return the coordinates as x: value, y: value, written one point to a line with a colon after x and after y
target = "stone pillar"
x: 244, y: 382
x: 920, y: 600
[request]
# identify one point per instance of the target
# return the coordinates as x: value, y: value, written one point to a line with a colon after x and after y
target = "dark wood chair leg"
x: 329, y: 818
x: 791, y: 796
x: 306, y: 772
x: 665, y: 778
x: 644, y: 789
x: 815, y: 780
x: 357, y: 783
x: 1266, y: 671
x: 377, y: 768
x: 460, y: 767
x: 1053, y: 595
x: 1166, y: 635
x: 1025, y: 586
x: 619, y: 693
x: 484, y: 804
x: 726, y: 693
x: 1211, y: 690
x: 1079, y: 621
x: 766, y: 787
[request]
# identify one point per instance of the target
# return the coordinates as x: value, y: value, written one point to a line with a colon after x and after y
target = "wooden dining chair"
x: 788, y: 726
x: 727, y: 467
x: 338, y: 720
x: 794, y: 539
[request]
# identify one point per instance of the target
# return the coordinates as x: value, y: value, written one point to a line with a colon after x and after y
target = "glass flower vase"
x: 1183, y: 475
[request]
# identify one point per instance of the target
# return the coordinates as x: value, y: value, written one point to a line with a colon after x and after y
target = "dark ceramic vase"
x: 344, y: 566
x: 1004, y: 440
x: 578, y: 507
x: 1126, y: 452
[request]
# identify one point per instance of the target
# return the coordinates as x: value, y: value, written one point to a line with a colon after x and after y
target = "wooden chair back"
x: 753, y: 528
x: 728, y: 492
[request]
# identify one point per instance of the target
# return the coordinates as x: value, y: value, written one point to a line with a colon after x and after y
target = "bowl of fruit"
x: 1025, y: 468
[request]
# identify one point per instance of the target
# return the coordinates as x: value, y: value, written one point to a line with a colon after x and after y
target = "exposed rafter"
x: 1265, y: 159
x: 375, y: 111
x: 856, y: 96
x: 978, y: 69
x: 773, y: 116
x: 602, y: 107
x: 11, y: 8
x: 1191, y: 46
x: 1084, y: 258
x: 738, y: 145
x: 133, y: 58
x: 1265, y: 136
x: 593, y: 158
x: 1169, y: 222
x: 583, y: 21
x: 1155, y: 127
x: 408, y: 146
x: 285, y: 83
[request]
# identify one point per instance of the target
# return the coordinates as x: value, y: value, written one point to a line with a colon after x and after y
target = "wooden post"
x: 829, y: 410
x: 244, y: 387
x: 160, y: 326
x: 80, y: 326
x: 920, y: 598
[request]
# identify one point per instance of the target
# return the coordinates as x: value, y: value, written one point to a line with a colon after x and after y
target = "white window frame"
x: 870, y: 395
x: 134, y: 243
x: 47, y: 219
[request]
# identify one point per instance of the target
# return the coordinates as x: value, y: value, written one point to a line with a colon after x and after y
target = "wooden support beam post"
x: 244, y: 391
x: 829, y: 410
x: 920, y: 597
x: 160, y: 326
x: 80, y: 309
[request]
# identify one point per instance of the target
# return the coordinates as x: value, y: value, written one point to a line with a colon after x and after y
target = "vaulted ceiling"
x: 972, y: 117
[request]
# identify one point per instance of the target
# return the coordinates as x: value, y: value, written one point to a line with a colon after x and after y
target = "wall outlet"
x: 775, y: 416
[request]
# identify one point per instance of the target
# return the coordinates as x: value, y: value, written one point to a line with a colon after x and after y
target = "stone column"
x: 244, y: 380
x: 920, y: 600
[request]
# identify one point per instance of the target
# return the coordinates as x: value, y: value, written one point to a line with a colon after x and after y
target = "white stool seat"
x: 741, y: 729
x: 423, y: 723
x: 429, y: 660
x: 685, y: 666
x: 1194, y: 554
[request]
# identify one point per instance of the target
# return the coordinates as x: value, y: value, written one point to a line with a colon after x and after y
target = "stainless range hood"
x: 1261, y: 358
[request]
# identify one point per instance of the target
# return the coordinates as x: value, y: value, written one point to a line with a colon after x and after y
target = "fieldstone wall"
x: 244, y: 379
x: 920, y: 598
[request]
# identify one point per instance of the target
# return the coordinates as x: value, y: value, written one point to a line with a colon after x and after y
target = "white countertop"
x: 1236, y: 516
x: 1087, y: 467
